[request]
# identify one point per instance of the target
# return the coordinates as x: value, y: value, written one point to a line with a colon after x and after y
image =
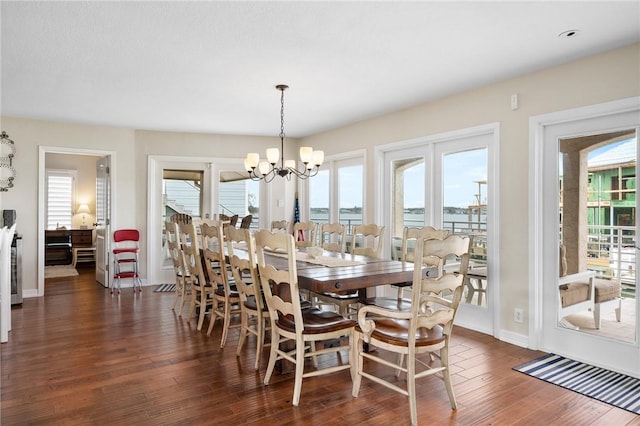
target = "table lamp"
x: 84, y: 209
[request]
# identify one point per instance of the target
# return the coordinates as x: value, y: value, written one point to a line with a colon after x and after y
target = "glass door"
x: 447, y: 183
x: 406, y: 181
x: 590, y: 168
x: 464, y: 204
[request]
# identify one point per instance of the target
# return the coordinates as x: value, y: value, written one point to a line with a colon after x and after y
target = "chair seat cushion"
x: 316, y: 322
x: 125, y: 250
x: 251, y: 304
x: 573, y: 293
x: 579, y: 291
x: 220, y: 292
x: 396, y: 332
x: 606, y: 290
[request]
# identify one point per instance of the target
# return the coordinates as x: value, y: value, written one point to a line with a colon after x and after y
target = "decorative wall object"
x: 7, y: 171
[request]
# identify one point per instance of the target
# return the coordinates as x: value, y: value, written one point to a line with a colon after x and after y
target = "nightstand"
x: 83, y: 248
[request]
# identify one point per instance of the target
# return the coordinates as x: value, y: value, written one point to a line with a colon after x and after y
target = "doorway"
x: 79, y: 213
x: 201, y: 188
x: 593, y: 206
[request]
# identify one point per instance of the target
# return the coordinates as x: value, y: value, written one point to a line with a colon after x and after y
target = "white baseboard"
x: 517, y: 339
x: 29, y: 293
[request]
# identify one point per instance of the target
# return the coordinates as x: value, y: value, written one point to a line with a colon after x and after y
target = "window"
x: 240, y: 197
x: 182, y: 193
x: 319, y: 197
x: 336, y: 193
x: 60, y: 198
x: 350, y: 189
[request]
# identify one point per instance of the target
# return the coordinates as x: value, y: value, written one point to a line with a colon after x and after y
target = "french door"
x: 587, y: 192
x: 447, y: 181
x: 201, y: 188
x: 103, y: 219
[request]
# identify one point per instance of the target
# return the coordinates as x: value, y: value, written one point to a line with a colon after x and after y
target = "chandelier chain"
x: 282, y: 114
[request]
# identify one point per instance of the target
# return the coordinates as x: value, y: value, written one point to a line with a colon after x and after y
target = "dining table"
x: 333, y: 272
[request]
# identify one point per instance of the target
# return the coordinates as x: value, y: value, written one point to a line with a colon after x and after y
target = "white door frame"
x: 156, y: 272
x: 544, y: 333
x: 485, y: 320
x: 42, y: 183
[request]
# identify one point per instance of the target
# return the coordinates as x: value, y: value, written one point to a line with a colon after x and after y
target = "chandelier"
x: 268, y: 170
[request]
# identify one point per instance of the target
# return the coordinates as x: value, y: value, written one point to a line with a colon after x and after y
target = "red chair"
x: 125, y: 258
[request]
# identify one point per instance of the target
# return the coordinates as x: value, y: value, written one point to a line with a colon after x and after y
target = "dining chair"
x: 290, y: 321
x: 183, y: 279
x: 366, y: 240
x: 333, y: 237
x: 181, y: 218
x: 254, y: 313
x: 231, y: 220
x: 407, y: 251
x: 225, y: 297
x: 246, y: 221
x: 583, y: 291
x: 305, y: 234
x: 201, y: 290
x: 424, y: 329
x: 281, y: 226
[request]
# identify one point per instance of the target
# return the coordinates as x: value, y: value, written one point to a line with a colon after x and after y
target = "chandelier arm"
x: 305, y: 174
x: 269, y: 176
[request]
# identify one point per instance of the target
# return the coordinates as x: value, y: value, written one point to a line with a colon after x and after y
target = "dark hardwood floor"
x: 79, y: 356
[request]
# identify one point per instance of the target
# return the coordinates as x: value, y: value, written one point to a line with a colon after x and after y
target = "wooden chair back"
x: 279, y: 286
x: 367, y: 240
x: 333, y: 237
x: 428, y: 292
x: 305, y: 234
x: 172, y: 236
x: 244, y: 268
x: 412, y: 234
x: 281, y: 226
x: 245, y: 223
x: 191, y: 250
x: 214, y: 256
x: 181, y: 218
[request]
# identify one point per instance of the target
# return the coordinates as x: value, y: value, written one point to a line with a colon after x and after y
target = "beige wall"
x: 29, y: 135
x: 600, y: 78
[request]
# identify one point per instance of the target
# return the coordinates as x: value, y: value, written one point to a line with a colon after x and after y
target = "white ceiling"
x: 212, y: 66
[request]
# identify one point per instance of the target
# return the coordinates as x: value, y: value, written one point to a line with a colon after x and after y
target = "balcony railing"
x: 611, y: 252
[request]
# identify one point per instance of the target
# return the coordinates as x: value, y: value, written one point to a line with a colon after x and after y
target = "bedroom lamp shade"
x: 83, y: 209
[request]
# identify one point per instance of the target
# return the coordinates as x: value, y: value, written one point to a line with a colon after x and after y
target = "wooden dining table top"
x: 365, y: 272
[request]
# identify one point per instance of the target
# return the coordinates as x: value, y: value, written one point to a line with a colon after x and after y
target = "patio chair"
x: 583, y: 291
